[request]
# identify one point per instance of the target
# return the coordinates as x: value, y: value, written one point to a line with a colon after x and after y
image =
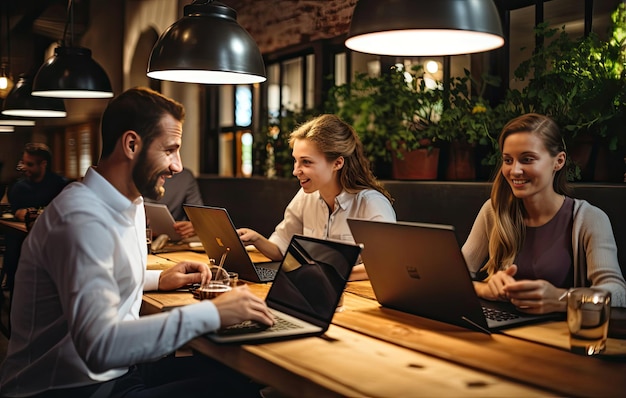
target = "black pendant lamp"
x: 207, y: 46
x: 424, y: 27
x: 15, y: 121
x: 71, y: 72
x: 21, y: 103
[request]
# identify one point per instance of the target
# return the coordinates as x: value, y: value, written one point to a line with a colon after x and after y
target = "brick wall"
x: 292, y: 22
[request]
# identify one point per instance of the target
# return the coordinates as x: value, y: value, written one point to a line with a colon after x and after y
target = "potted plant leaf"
x: 391, y: 113
x: 469, y: 123
x: 581, y: 84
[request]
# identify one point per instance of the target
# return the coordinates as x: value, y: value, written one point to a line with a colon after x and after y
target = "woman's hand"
x: 536, y: 296
x: 251, y: 237
x: 248, y: 236
x: 494, y: 288
x: 184, y: 273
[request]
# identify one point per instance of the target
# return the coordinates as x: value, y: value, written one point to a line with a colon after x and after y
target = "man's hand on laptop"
x: 239, y: 305
x: 183, y: 274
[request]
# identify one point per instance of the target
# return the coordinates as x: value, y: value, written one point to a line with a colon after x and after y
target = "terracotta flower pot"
x: 418, y: 164
x: 460, y: 163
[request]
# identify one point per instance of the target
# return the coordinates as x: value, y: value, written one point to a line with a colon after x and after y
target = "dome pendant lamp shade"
x: 207, y: 46
x: 424, y: 27
x: 21, y: 103
x: 72, y: 73
x: 15, y: 121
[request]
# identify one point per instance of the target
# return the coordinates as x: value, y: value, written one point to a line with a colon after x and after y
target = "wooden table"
x: 12, y: 225
x: 373, y: 351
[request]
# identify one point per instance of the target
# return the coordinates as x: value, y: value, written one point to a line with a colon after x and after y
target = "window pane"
x: 226, y: 105
x: 292, y: 84
x: 365, y: 63
x: 226, y: 154
x: 273, y: 90
x: 310, y: 81
x: 340, y: 69
x: 243, y: 106
x: 246, y: 154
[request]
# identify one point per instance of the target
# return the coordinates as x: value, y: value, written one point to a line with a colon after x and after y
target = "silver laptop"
x: 160, y: 220
x: 217, y: 232
x: 419, y: 269
x: 305, y: 293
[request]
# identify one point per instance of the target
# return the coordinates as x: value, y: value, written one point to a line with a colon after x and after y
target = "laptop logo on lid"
x: 412, y: 270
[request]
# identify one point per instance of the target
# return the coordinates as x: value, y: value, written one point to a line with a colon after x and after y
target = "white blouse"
x: 307, y: 214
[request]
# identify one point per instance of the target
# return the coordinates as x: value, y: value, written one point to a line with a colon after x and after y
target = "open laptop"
x: 305, y: 293
x: 419, y: 268
x: 160, y: 220
x: 217, y: 232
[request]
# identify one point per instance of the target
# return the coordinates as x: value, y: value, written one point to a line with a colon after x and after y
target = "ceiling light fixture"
x: 419, y: 28
x: 21, y: 103
x: 71, y: 72
x: 6, y: 82
x: 207, y: 46
x: 15, y: 121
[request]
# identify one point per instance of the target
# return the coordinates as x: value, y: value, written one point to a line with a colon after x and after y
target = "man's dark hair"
x: 40, y: 150
x: 138, y: 109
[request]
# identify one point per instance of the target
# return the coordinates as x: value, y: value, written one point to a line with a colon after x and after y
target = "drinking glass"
x: 588, y: 313
x: 219, y: 283
x: 148, y: 238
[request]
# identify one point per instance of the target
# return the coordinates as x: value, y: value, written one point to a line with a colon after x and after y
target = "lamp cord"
x: 8, y: 38
x: 69, y: 20
x: 5, y: 9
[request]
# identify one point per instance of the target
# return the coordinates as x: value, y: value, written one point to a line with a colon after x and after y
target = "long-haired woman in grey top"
x: 538, y: 241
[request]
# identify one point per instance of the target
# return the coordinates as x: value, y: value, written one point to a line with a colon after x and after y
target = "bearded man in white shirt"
x: 76, y: 329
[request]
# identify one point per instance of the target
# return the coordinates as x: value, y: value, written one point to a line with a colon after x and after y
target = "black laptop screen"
x: 312, y: 277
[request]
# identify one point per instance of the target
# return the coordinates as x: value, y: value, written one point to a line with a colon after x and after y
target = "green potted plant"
x: 581, y: 83
x: 391, y: 113
x: 469, y: 123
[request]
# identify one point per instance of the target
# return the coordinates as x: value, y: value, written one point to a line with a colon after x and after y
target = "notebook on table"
x: 303, y: 297
x: 419, y: 268
x: 216, y: 231
x: 160, y: 220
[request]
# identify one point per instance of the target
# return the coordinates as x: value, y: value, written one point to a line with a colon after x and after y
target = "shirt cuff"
x: 152, y: 280
x: 204, y: 315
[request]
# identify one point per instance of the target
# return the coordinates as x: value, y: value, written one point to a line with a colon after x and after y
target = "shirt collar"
x: 109, y: 194
x: 342, y: 200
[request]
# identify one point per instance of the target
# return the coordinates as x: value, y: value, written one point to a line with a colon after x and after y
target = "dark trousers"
x: 192, y: 376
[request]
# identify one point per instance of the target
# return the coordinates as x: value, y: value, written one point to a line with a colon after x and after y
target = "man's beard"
x: 146, y: 181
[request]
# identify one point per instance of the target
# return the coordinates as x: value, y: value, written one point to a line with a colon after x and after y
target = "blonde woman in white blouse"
x: 336, y: 184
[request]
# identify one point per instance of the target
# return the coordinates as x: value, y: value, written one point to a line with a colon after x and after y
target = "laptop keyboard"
x: 253, y: 326
x: 266, y: 274
x: 498, y: 315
